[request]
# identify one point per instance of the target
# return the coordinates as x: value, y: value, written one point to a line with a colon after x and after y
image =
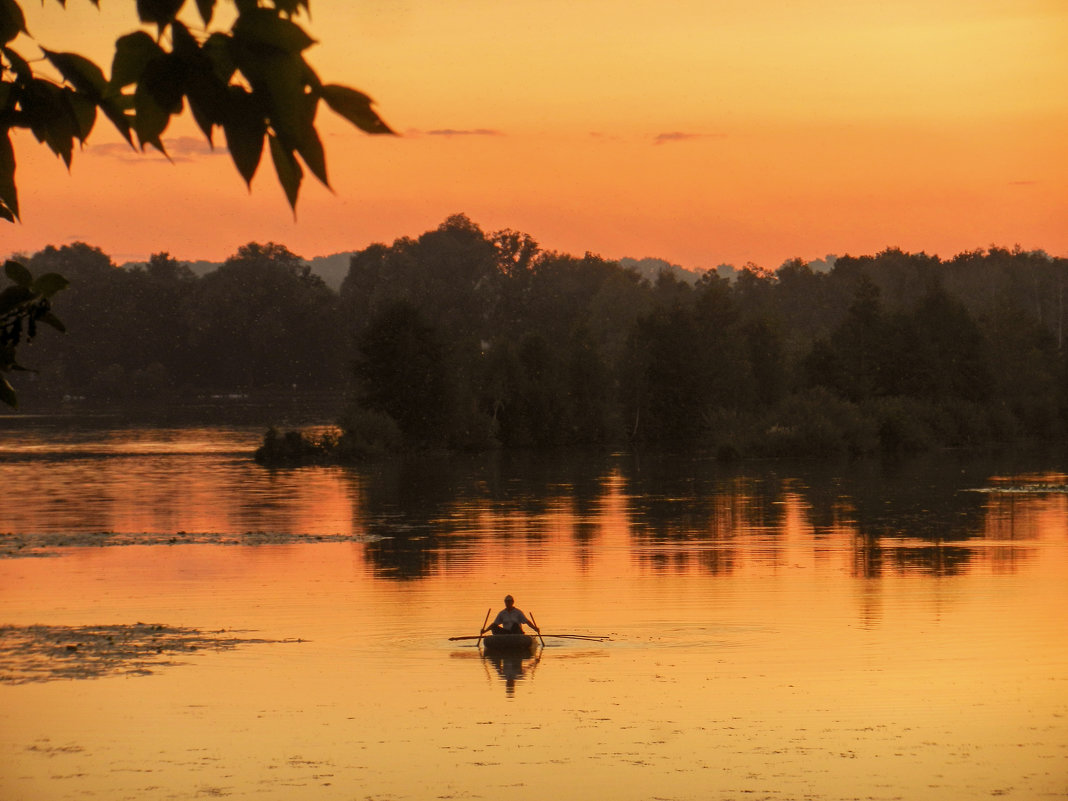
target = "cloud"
x: 448, y: 132
x: 193, y: 146
x: 181, y: 148
x: 1023, y: 183
x: 681, y: 136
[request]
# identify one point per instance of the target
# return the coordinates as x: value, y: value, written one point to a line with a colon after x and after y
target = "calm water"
x: 778, y: 630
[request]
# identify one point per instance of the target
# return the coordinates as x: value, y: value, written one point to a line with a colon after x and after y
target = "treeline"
x: 157, y: 332
x: 466, y: 340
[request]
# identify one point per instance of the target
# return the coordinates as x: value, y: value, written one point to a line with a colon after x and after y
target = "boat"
x: 508, y: 643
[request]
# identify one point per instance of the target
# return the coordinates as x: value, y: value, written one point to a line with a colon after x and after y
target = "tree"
x: 403, y: 370
x: 22, y: 305
x: 251, y: 81
x: 278, y: 323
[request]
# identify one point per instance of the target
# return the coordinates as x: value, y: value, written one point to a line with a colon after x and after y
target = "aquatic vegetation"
x: 50, y: 653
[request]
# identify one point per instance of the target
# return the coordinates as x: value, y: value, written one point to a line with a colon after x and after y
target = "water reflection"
x: 512, y: 667
x: 687, y: 514
x: 941, y: 515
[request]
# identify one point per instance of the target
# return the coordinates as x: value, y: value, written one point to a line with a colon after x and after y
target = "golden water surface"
x: 777, y: 631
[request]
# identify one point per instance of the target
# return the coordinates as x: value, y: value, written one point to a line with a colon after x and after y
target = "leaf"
x: 311, y: 150
x: 207, y: 101
x: 207, y: 10
x: 354, y: 106
x: 112, y: 106
x: 9, y: 195
x: 14, y: 296
x: 7, y: 393
x: 18, y: 273
x: 150, y: 119
x: 289, y: 7
x: 158, y: 95
x: 288, y: 169
x: 84, y: 111
x: 19, y: 65
x: 81, y: 73
x: 49, y: 284
x: 133, y: 52
x: 205, y: 91
x: 245, y: 127
x: 218, y: 49
x: 281, y: 84
x: 164, y: 78
x: 264, y: 27
x: 50, y: 117
x: 53, y: 321
x: 159, y: 12
x: 12, y: 20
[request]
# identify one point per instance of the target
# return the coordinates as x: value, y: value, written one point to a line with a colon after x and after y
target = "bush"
x: 368, y: 433
x: 298, y: 447
x: 816, y: 423
x: 908, y: 425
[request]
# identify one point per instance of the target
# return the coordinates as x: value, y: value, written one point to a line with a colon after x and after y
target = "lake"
x: 777, y: 630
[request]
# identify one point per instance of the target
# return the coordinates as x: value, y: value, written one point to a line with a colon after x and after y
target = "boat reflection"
x: 512, y: 667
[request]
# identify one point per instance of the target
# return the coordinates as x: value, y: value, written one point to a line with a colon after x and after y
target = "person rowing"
x: 509, y: 620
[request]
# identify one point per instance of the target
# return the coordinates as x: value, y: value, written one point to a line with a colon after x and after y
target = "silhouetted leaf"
x: 13, y: 296
x: 164, y: 79
x: 218, y: 51
x: 49, y: 284
x: 354, y: 106
x: 12, y: 20
x: 9, y: 195
x: 290, y: 7
x: 19, y: 65
x: 132, y: 53
x: 311, y: 150
x: 207, y: 100
x: 159, y: 12
x: 113, y: 108
x: 183, y: 43
x: 150, y: 119
x: 245, y: 127
x: 204, y: 85
x: 288, y: 169
x: 81, y: 73
x: 53, y: 321
x: 207, y: 10
x: 19, y: 274
x: 7, y: 394
x: 263, y: 26
x: 282, y: 78
x: 50, y: 117
x: 84, y: 111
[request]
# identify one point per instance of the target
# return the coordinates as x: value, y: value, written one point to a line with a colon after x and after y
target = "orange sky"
x: 699, y: 131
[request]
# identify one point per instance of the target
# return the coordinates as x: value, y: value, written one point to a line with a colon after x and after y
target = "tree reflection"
x: 692, y: 514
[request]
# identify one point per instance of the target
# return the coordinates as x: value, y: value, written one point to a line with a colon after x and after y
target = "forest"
x: 466, y: 340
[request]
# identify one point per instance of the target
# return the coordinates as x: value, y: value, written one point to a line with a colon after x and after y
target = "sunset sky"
x: 698, y: 131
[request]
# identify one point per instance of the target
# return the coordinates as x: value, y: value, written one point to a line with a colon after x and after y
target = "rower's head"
x: 509, y: 600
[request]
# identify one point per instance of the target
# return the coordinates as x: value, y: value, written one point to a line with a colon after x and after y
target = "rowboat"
x: 508, y: 643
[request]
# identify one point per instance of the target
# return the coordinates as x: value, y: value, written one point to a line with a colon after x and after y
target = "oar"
x: 532, y: 620
x: 483, y: 627
x: 588, y: 637
x: 591, y: 637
